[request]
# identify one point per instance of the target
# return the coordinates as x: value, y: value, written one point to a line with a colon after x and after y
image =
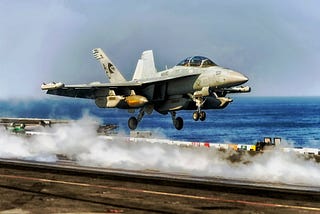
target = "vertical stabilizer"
x: 111, y: 70
x: 145, y: 67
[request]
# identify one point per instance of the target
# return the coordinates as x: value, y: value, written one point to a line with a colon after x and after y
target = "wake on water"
x: 79, y: 141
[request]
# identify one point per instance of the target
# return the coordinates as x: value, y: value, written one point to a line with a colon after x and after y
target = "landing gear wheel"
x: 196, y: 116
x: 202, y: 115
x: 178, y: 123
x: 132, y: 123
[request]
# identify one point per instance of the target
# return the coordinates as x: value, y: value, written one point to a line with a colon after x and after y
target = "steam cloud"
x: 78, y: 140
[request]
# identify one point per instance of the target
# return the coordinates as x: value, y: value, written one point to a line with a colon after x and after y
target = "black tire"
x: 132, y: 123
x: 203, y: 115
x: 195, y: 116
x: 178, y: 123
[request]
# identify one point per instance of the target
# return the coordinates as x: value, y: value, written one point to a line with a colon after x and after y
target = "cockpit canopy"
x: 197, y: 61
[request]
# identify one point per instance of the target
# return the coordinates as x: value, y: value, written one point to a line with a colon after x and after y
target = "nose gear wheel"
x: 203, y: 115
x: 195, y: 116
x: 199, y: 101
x: 199, y: 115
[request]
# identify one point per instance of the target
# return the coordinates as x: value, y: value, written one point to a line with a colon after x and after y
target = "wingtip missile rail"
x: 52, y: 86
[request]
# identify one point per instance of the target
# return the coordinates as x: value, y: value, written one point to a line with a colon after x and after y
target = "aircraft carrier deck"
x: 64, y: 187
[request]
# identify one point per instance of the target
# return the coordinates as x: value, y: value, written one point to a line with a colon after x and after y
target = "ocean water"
x: 247, y: 120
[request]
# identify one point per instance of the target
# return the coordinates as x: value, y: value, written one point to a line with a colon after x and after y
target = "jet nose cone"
x: 237, y: 78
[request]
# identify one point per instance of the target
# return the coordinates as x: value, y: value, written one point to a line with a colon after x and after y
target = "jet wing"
x: 88, y: 91
x: 97, y: 89
x: 71, y: 91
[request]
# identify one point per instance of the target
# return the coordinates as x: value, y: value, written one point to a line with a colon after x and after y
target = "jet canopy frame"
x: 197, y: 61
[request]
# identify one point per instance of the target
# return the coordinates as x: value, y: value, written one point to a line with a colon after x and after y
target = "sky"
x: 275, y: 43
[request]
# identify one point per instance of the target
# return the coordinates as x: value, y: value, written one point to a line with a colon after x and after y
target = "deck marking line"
x: 162, y: 193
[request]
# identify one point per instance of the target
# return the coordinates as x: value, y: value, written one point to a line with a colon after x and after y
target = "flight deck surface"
x: 36, y: 187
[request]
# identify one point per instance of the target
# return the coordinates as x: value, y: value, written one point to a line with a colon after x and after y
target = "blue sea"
x: 247, y: 120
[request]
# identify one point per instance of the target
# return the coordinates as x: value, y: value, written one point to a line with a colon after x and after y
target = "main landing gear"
x: 177, y: 122
x: 133, y: 121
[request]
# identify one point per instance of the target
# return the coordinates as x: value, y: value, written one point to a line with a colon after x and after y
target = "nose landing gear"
x: 199, y: 114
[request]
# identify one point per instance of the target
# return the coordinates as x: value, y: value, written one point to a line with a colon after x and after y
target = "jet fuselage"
x: 195, y: 79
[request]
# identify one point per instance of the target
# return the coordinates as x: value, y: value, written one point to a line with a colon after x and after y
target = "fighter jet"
x: 196, y: 83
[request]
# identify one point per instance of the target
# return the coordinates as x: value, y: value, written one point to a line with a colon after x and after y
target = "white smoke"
x: 79, y: 141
